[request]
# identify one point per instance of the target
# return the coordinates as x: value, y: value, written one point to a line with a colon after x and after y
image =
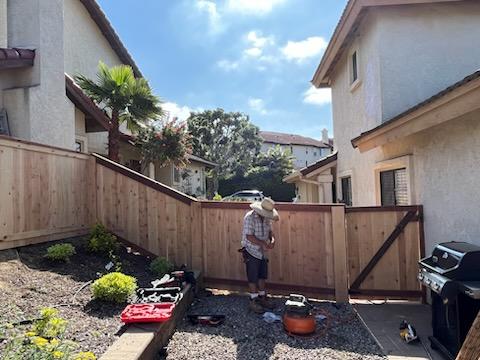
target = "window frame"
x: 405, y: 161
x: 350, y: 193
x: 395, y: 188
x: 354, y: 76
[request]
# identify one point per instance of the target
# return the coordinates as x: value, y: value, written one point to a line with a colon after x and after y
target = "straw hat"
x: 265, y: 208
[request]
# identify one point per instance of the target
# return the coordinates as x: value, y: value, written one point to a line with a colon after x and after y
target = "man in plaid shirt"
x: 257, y: 238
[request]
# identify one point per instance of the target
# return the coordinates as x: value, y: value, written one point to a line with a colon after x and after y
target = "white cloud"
x: 316, y: 96
x: 304, y: 49
x: 174, y: 110
x: 214, y: 17
x: 257, y: 105
x: 254, y: 7
x: 228, y: 65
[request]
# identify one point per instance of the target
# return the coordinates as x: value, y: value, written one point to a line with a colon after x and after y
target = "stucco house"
x: 315, y: 183
x: 305, y: 150
x: 406, y: 105
x: 43, y: 45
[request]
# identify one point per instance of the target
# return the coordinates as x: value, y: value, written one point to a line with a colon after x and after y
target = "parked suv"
x: 245, y: 195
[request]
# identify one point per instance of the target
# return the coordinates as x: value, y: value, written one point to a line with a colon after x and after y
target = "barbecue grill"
x: 452, y: 274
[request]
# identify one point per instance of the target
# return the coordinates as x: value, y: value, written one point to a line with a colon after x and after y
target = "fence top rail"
x: 382, y: 208
x: 143, y: 179
x: 279, y: 206
x: 34, y: 146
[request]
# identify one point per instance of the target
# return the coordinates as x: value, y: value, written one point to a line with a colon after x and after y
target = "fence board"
x: 42, y: 194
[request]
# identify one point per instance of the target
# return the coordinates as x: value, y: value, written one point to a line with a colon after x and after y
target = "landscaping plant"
x: 60, y: 252
x: 43, y: 341
x: 101, y: 241
x: 161, y: 266
x: 114, y: 287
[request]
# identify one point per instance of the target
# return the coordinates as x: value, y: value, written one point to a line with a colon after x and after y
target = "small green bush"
x: 114, y: 287
x: 60, y: 252
x: 101, y: 241
x: 217, y: 197
x: 161, y: 266
x: 49, y: 325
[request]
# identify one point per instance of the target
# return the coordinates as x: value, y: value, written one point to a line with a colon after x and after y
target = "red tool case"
x: 145, y: 313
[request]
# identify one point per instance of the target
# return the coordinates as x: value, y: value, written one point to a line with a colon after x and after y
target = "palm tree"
x: 125, y: 99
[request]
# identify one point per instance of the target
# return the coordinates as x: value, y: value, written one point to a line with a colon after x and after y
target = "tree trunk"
x: 114, y: 138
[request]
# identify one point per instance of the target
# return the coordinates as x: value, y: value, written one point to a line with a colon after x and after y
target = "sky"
x: 252, y: 56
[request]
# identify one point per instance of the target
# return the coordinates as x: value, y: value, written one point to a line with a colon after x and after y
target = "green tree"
x: 125, y: 99
x: 168, y: 144
x: 266, y: 174
x: 226, y: 138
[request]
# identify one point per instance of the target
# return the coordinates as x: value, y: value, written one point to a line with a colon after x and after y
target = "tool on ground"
x: 210, y: 320
x: 408, y: 332
x: 158, y: 295
x: 298, y: 317
x: 147, y: 313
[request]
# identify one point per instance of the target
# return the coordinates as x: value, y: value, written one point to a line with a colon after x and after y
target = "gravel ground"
x: 245, y: 335
x: 28, y: 282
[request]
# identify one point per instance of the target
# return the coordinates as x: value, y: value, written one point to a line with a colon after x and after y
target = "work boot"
x: 255, y: 306
x: 266, y: 303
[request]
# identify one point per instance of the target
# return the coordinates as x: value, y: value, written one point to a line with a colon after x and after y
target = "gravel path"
x: 245, y: 335
x: 28, y: 282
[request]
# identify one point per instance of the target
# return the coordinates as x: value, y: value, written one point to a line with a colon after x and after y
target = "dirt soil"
x: 29, y: 282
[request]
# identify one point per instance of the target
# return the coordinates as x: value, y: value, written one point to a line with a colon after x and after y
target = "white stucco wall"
x: 356, y: 110
x: 304, y: 155
x: 3, y: 24
x: 424, y: 49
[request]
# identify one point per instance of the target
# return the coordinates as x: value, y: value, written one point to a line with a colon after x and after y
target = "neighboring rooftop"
x: 198, y: 159
x: 291, y: 139
x: 16, y: 58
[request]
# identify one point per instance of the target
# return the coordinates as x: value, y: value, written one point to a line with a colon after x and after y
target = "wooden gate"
x: 384, y: 245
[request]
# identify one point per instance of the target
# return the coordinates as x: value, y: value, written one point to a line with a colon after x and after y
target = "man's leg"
x: 252, y: 266
x: 262, y: 277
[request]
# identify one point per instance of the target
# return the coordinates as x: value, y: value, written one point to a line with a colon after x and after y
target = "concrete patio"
x: 383, y: 320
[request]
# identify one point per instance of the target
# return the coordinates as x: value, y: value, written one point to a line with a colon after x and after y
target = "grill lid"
x: 456, y: 260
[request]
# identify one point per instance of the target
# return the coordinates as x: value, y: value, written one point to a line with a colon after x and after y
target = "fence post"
x: 92, y: 189
x: 196, y: 235
x: 340, y: 254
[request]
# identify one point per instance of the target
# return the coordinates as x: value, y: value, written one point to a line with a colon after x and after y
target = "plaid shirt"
x: 254, y: 225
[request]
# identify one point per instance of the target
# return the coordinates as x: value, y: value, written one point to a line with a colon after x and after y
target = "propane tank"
x: 298, y: 318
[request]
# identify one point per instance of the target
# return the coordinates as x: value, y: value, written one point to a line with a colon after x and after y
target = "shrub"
x: 43, y: 341
x: 161, y: 266
x: 114, y: 287
x: 101, y: 241
x: 217, y: 197
x: 49, y: 325
x: 60, y: 252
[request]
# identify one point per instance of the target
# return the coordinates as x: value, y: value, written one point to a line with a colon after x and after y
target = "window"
x: 176, y: 175
x: 394, y: 187
x: 354, y: 65
x: 314, y: 153
x: 78, y: 146
x: 347, y: 191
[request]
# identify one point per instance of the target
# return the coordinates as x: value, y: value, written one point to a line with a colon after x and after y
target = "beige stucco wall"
x: 446, y: 166
x: 85, y: 45
x: 45, y: 115
x: 303, y: 155
x: 195, y: 185
x: 307, y: 193
x: 3, y: 24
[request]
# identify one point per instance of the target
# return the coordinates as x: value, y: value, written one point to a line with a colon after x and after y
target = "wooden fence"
x: 45, y: 193
x: 48, y: 193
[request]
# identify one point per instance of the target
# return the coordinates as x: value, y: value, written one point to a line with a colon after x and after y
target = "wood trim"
x: 381, y: 208
x: 400, y: 294
x: 383, y: 249
x: 41, y: 232
x: 278, y: 206
x: 33, y: 146
x: 421, y: 234
x: 471, y: 346
x: 143, y: 179
x: 272, y: 286
x: 42, y: 239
